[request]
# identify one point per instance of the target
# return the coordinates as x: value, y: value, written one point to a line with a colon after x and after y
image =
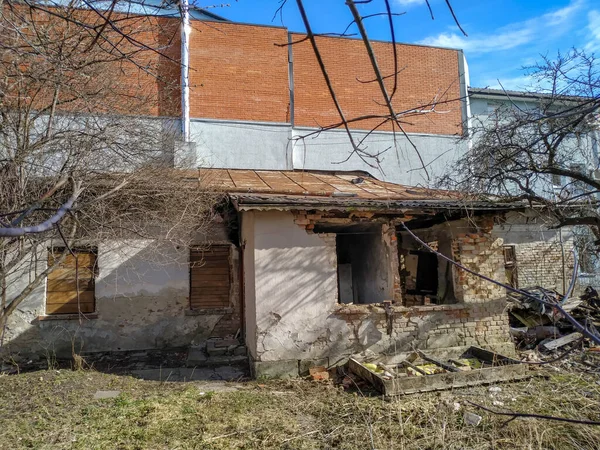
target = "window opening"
x: 363, y: 266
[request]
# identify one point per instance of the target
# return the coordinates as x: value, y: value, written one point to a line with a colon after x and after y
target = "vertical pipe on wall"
x: 185, y: 70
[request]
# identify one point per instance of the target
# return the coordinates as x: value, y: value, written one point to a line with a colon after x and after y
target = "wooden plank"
x: 69, y: 274
x: 215, y: 252
x: 69, y: 297
x: 441, y: 364
x: 210, y: 271
x: 62, y: 285
x: 69, y: 308
x: 210, y: 282
x: 222, y: 292
x: 561, y: 342
x: 210, y: 298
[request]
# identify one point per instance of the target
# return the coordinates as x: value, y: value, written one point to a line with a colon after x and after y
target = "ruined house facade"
x: 309, y: 263
x: 535, y: 254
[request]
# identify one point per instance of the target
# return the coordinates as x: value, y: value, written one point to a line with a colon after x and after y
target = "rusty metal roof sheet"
x: 316, y: 184
x: 286, y: 189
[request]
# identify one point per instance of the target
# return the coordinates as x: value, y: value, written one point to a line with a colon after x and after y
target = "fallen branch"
x: 516, y: 415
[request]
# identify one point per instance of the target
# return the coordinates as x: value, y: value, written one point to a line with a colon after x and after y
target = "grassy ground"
x: 56, y: 409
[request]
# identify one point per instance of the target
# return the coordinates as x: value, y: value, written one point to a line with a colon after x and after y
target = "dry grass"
x: 53, y: 409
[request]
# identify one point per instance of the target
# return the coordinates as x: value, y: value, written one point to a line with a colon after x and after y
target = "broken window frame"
x: 382, y: 289
x: 410, y: 296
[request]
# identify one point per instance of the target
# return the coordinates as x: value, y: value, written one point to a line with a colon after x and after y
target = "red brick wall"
x: 96, y: 77
x: 428, y: 72
x: 237, y: 72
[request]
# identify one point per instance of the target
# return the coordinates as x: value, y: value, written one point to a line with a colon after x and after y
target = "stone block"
x: 275, y: 369
x: 106, y: 394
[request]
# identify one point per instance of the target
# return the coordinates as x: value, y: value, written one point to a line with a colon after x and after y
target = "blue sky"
x: 503, y: 35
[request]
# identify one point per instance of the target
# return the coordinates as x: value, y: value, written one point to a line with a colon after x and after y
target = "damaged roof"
x: 288, y: 189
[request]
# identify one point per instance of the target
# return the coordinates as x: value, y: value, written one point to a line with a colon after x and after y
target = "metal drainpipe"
x: 185, y: 70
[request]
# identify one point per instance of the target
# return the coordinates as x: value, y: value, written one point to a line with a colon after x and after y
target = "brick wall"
x: 240, y: 72
x: 478, y: 319
x: 541, y: 264
x: 237, y: 72
x: 107, y: 75
x: 427, y: 73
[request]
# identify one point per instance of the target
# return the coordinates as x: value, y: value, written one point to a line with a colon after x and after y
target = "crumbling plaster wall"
x: 299, y: 321
x: 142, y: 302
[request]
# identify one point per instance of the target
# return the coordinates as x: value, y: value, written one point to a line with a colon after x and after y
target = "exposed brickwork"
x: 541, y: 264
x: 428, y: 72
x: 129, y: 80
x: 241, y: 72
x: 237, y: 72
x: 433, y: 327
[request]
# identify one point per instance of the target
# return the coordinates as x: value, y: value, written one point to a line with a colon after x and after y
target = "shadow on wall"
x: 141, y: 299
x: 299, y: 318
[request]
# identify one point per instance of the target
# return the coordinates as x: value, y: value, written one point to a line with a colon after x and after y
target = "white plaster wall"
x: 296, y: 289
x: 274, y: 146
x: 142, y: 293
x: 241, y: 145
x: 247, y: 231
x: 399, y: 164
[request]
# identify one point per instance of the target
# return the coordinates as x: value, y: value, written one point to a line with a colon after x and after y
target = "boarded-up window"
x: 68, y: 279
x: 210, y: 277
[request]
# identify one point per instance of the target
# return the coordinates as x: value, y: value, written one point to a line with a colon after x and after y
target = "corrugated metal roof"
x: 285, y: 189
x: 317, y: 184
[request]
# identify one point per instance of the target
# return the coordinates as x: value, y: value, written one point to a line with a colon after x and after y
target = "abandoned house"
x: 311, y: 259
x: 310, y: 267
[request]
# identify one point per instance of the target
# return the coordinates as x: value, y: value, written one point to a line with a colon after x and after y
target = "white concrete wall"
x: 242, y: 145
x: 399, y: 164
x: 296, y: 289
x: 141, y: 299
x: 256, y: 145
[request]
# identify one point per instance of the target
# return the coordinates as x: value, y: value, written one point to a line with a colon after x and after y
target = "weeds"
x: 52, y: 409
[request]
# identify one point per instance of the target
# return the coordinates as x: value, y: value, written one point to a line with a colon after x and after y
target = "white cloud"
x: 520, y: 83
x: 510, y: 36
x: 594, y: 29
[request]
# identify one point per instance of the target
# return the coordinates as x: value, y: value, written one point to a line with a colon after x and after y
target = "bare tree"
x: 386, y: 112
x: 84, y: 155
x: 543, y: 148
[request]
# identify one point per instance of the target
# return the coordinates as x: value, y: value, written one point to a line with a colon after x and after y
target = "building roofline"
x: 500, y: 93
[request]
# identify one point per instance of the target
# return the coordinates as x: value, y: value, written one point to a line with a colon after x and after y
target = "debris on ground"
x: 420, y: 372
x: 541, y: 331
x: 319, y: 373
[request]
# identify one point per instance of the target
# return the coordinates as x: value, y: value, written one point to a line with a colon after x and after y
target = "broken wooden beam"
x: 561, y: 342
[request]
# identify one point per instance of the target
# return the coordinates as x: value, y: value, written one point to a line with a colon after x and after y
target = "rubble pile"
x: 535, y: 325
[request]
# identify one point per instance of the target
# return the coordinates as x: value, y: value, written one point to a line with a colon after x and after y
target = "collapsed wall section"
x: 300, y: 320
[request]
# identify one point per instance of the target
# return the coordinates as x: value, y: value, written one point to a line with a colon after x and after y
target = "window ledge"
x: 366, y: 307
x: 205, y: 312
x: 425, y: 308
x: 87, y: 316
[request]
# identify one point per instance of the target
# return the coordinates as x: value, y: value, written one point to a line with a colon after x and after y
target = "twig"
x: 300, y: 436
x: 515, y: 415
x: 231, y: 434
